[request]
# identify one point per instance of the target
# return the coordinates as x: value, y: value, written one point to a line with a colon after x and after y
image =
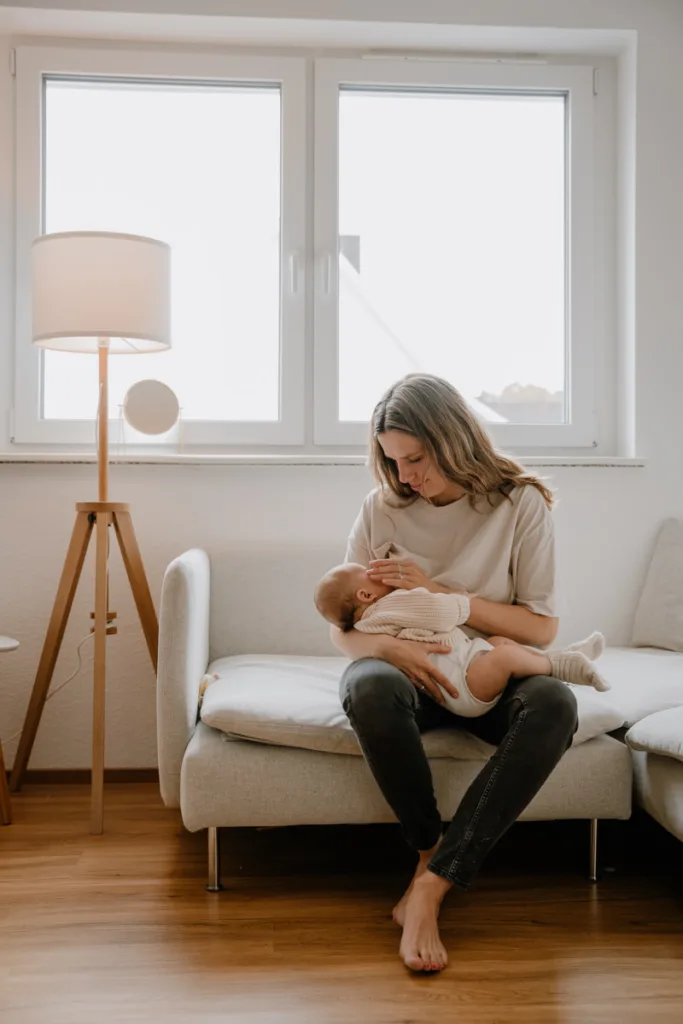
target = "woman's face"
x: 415, y: 468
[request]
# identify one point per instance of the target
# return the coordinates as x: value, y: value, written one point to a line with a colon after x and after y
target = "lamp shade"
x: 95, y: 284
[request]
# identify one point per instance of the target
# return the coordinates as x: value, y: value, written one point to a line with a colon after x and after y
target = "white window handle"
x: 326, y: 274
x: 294, y: 273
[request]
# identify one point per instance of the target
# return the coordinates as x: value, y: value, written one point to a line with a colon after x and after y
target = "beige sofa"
x: 657, y: 746
x: 216, y: 779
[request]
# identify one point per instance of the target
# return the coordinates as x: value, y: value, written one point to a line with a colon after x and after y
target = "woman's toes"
x: 432, y: 965
x: 438, y: 958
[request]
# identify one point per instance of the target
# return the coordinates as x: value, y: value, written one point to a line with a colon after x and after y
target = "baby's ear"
x: 364, y: 596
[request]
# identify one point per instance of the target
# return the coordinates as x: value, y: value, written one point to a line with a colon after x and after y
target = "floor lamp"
x: 105, y: 294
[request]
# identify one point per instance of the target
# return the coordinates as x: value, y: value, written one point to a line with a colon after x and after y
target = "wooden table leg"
x: 5, y: 800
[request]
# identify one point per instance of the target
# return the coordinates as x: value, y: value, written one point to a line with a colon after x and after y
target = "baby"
x: 479, y: 669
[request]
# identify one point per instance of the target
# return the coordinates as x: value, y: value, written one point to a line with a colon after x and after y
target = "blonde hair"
x: 433, y: 411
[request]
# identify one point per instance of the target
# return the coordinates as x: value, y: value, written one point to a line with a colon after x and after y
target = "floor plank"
x: 118, y: 927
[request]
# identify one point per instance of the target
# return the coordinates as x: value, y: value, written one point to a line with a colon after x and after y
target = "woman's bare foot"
x: 399, y: 911
x: 421, y: 948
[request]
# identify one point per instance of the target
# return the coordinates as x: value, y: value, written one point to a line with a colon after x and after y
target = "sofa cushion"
x: 659, y: 616
x: 227, y: 782
x: 294, y: 702
x: 661, y: 733
x: 642, y: 680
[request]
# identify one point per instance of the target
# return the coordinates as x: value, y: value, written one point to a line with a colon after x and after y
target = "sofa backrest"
x: 262, y: 600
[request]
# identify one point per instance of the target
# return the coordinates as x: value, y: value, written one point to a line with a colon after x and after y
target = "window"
x: 198, y: 154
x: 454, y: 236
x: 219, y: 147
x: 453, y: 198
x: 450, y: 207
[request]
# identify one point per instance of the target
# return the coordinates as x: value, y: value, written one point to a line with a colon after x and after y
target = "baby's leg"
x: 489, y: 674
x: 520, y: 662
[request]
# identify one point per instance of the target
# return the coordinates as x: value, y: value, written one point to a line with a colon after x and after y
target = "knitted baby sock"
x: 592, y: 647
x: 574, y: 667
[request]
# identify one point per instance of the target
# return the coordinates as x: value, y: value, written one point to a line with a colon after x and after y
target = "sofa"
x: 656, y: 743
x: 271, y: 745
x: 652, y: 695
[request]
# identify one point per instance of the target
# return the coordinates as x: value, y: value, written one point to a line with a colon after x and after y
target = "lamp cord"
x: 53, y: 693
x: 97, y: 418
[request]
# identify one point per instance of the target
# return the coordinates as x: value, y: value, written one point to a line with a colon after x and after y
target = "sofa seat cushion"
x: 661, y: 733
x: 293, y: 701
x: 643, y: 680
x: 227, y: 782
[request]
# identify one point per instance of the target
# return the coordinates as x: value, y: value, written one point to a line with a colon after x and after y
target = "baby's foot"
x: 574, y: 667
x: 592, y: 646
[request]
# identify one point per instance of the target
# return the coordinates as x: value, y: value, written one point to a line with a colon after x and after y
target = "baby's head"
x: 345, y: 592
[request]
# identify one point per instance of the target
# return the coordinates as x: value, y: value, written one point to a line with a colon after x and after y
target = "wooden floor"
x: 119, y: 927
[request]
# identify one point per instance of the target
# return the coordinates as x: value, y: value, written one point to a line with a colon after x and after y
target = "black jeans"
x: 532, y: 725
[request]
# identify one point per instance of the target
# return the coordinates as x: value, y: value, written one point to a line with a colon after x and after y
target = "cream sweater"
x: 418, y: 615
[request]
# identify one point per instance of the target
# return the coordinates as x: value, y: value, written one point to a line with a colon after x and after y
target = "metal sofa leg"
x: 214, y: 850
x: 593, y: 866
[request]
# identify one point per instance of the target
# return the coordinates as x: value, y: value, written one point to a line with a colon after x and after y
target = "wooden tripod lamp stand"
x: 100, y: 293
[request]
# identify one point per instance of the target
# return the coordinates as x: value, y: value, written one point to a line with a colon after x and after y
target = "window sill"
x: 307, y: 459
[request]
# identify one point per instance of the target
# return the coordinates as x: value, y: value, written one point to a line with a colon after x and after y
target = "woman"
x: 454, y: 515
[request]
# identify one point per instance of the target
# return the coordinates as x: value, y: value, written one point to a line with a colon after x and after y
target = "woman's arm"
x: 356, y: 645
x: 513, y: 621
x: 510, y: 620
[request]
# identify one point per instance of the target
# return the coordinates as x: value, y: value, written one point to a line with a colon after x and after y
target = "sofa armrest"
x: 183, y: 660
x: 659, y: 733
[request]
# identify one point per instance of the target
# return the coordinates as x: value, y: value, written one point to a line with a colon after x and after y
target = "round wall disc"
x: 151, y: 407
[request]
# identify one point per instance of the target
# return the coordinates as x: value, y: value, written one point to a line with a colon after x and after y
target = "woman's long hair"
x: 433, y: 411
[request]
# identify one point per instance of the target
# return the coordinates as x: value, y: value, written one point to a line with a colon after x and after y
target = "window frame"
x: 581, y: 355
x: 33, y: 65
x: 309, y: 293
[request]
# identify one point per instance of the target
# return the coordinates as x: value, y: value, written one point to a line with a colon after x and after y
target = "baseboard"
x: 81, y: 776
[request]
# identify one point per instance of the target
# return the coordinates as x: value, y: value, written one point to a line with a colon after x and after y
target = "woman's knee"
x: 371, y: 687
x: 554, y: 701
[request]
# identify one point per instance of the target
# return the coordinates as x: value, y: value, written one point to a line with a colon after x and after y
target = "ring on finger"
x: 400, y: 571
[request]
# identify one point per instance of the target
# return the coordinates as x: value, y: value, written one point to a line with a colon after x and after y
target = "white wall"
x: 606, y: 519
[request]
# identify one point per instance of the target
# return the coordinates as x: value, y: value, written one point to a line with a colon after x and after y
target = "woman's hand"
x: 412, y: 657
x: 400, y: 573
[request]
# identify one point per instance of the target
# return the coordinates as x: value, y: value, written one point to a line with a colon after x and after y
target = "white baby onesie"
x: 433, y: 618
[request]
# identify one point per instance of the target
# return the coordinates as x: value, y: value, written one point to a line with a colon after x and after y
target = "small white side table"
x: 6, y: 644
